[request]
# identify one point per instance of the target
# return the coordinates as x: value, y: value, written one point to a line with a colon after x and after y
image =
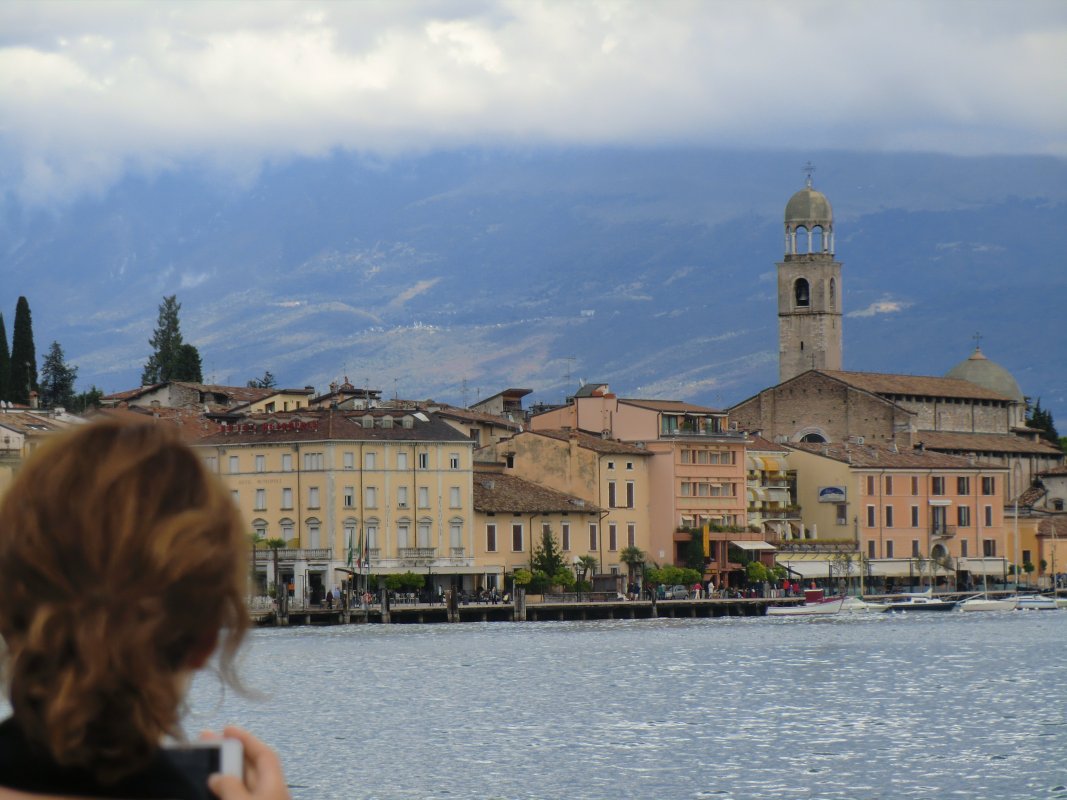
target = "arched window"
x: 802, y: 293
x: 813, y: 437
x: 833, y: 295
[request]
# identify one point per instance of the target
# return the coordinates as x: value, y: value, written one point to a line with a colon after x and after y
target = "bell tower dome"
x: 809, y: 287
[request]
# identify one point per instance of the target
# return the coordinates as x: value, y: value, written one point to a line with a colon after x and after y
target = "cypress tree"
x: 57, y: 379
x: 5, y: 363
x: 23, y: 355
x: 171, y: 359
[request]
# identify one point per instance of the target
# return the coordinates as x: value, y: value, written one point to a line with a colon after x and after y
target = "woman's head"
x: 122, y: 560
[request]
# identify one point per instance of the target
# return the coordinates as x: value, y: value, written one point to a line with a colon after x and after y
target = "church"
x: 976, y: 410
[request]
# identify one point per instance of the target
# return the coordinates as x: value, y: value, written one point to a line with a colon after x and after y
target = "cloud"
x: 883, y: 306
x: 91, y: 90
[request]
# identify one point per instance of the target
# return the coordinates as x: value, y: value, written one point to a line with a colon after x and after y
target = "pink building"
x: 696, y: 470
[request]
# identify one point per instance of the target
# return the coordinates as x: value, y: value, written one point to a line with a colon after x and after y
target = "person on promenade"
x: 123, y: 565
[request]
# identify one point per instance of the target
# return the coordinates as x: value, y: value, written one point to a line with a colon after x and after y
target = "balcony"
x: 943, y: 531
x: 289, y: 554
x: 417, y: 555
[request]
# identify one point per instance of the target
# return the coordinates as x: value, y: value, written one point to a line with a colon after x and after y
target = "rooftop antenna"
x: 396, y: 392
x: 808, y: 169
x: 463, y: 392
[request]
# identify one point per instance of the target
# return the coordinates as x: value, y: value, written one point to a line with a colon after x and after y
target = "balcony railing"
x: 944, y: 531
x: 295, y: 554
x: 457, y: 552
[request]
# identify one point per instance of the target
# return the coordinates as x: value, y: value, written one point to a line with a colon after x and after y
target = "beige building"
x: 511, y: 517
x: 328, y: 481
x: 897, y: 512
x: 696, y: 466
x: 607, y: 474
x: 771, y: 488
x: 22, y: 432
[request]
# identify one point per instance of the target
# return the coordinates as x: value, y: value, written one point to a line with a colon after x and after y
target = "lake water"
x: 875, y: 706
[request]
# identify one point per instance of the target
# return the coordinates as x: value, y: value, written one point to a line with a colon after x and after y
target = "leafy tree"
x: 57, y: 379
x: 5, y: 363
x: 268, y: 381
x: 23, y: 355
x: 757, y: 572
x: 171, y: 359
x: 86, y: 400
x: 694, y: 550
x: 548, y: 557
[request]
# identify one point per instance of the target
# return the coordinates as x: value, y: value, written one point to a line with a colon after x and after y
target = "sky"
x: 93, y: 91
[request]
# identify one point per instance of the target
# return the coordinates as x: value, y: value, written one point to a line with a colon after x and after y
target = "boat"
x: 857, y: 605
x: 1035, y: 602
x: 919, y: 602
x: 983, y: 602
x: 814, y: 603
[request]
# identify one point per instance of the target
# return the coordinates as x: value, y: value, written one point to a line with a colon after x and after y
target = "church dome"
x: 808, y: 207
x: 988, y: 374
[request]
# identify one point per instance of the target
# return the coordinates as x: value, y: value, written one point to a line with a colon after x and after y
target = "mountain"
x: 454, y: 275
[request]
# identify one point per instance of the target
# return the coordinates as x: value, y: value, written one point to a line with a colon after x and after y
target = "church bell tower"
x: 809, y: 287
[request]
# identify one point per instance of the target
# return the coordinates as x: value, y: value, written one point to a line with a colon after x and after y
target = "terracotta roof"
x: 502, y: 493
x: 1054, y: 471
x: 1031, y: 495
x: 29, y: 424
x: 756, y: 442
x: 236, y: 394
x: 1053, y: 526
x: 866, y: 456
x: 193, y: 424
x: 920, y: 385
x: 311, y: 425
x: 984, y: 443
x: 597, y: 444
x: 671, y: 406
x: 466, y: 415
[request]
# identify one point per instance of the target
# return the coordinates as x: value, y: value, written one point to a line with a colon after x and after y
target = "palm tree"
x: 586, y: 565
x: 275, y: 545
x: 257, y: 539
x: 634, y: 559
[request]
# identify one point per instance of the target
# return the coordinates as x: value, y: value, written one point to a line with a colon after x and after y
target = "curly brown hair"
x: 122, y: 562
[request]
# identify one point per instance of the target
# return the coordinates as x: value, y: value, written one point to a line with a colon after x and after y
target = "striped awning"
x: 771, y: 464
x: 756, y: 494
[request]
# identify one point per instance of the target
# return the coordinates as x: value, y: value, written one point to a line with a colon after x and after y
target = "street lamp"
x: 578, y: 577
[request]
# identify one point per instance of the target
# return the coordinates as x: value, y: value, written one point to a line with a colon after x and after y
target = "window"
x: 613, y: 537
x: 989, y: 485
x: 261, y: 463
x: 490, y: 538
x: 368, y: 460
x: 937, y: 485
x: 313, y: 534
x: 313, y: 461
x: 989, y: 548
x: 287, y: 530
x: 235, y: 464
x: 1057, y: 505
x: 963, y: 548
x: 370, y: 497
x: 963, y: 485
x: 870, y: 486
x: 402, y: 496
x: 516, y: 537
x: 424, y: 460
x: 423, y: 535
x: 914, y: 548
x: 1026, y: 557
x: 611, y: 465
x: 313, y: 497
x: 212, y: 463
x: 453, y: 497
x: 403, y: 535
x: 287, y: 498
x: 963, y: 516
x: 402, y: 460
x: 592, y: 536
x: 611, y: 494
x: 261, y: 499
x: 349, y: 494
x: 915, y: 516
x: 287, y: 462
x: 424, y: 497
x: 629, y: 465
x: 453, y: 461
x: 546, y: 530
x: 565, y: 535
x: 914, y: 485
x: 889, y: 516
x: 372, y: 536
x: 631, y: 534
x: 842, y: 513
x: 349, y: 460
x: 802, y: 293
x: 629, y: 494
x: 889, y: 484
x: 989, y: 516
x: 870, y: 517
x: 455, y: 535
x: 870, y: 549
x: 889, y: 549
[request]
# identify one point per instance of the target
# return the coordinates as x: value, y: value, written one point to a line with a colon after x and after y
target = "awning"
x: 777, y: 494
x: 807, y: 569
x: 903, y: 568
x: 771, y: 464
x: 752, y: 464
x: 756, y: 494
x: 983, y: 566
x: 745, y: 545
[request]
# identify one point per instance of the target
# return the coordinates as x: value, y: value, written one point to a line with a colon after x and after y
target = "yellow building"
x: 392, y: 487
x: 512, y: 515
x: 898, y: 515
x: 605, y: 473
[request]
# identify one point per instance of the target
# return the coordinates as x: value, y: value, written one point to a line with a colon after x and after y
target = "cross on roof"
x: 808, y: 169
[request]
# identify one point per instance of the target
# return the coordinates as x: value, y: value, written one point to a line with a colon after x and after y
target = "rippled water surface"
x: 879, y: 706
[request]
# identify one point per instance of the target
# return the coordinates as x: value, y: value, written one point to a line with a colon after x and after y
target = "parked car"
x: 677, y: 592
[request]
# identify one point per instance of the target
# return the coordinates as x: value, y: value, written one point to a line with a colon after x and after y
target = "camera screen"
x: 197, y: 762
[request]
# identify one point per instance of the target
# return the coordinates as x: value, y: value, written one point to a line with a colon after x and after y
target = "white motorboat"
x: 831, y: 605
x: 920, y: 602
x: 1035, y: 602
x: 983, y: 602
x: 857, y: 605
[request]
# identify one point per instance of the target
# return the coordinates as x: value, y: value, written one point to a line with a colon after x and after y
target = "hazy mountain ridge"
x: 650, y: 270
